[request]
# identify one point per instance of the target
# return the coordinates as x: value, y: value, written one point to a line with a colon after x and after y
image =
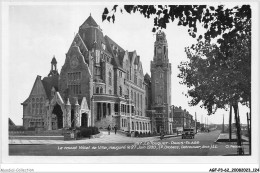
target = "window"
x: 116, y: 107
x: 141, y: 100
x: 137, y: 99
x: 74, y: 82
x: 159, y: 99
x: 75, y: 88
x: 110, y: 92
x: 101, y: 90
x: 140, y: 82
x: 132, y: 95
x: 161, y: 75
x: 135, y: 79
x: 110, y: 78
x: 120, y: 91
x: 120, y: 74
x: 127, y: 75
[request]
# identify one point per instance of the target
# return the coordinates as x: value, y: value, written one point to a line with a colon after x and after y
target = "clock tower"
x: 161, y: 84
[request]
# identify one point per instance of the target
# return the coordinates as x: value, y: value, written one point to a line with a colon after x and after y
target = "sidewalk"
x: 226, y: 136
x: 229, y: 148
x: 104, y: 138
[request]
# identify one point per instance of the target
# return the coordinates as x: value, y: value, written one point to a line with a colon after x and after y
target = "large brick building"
x: 102, y: 84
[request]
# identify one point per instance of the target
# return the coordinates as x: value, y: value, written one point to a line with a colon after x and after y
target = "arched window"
x: 110, y: 78
x: 101, y: 90
x: 97, y: 90
x: 140, y: 126
x: 122, y: 123
x: 137, y: 126
x: 143, y: 126
x: 133, y: 125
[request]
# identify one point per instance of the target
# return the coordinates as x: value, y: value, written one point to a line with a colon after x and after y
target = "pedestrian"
x: 108, y: 129
x: 115, y: 128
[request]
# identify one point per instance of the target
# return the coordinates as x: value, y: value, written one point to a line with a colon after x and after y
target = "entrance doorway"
x: 59, y: 115
x: 72, y: 118
x: 84, y: 120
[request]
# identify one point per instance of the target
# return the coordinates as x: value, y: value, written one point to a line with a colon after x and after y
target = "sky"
x: 39, y: 32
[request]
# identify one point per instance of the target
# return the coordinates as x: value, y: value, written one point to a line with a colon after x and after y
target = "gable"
x: 38, y: 88
x: 84, y: 104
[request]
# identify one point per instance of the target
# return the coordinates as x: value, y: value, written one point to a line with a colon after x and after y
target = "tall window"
x: 159, y: 99
x: 33, y: 105
x: 120, y: 91
x: 132, y: 95
x: 74, y: 82
x: 135, y: 79
x: 127, y: 75
x: 140, y: 82
x: 141, y: 101
x: 110, y: 78
x: 137, y: 99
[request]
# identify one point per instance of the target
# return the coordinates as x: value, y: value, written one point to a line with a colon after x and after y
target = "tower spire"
x: 53, y: 70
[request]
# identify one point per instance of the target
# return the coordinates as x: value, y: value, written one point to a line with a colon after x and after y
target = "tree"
x: 216, y: 20
x: 218, y: 76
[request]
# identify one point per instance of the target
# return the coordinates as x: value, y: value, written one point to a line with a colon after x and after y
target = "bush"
x: 31, y: 129
x: 136, y: 134
x: 88, y: 131
x: 16, y: 128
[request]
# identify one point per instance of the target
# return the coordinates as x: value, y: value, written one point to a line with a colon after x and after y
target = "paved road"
x: 116, y: 145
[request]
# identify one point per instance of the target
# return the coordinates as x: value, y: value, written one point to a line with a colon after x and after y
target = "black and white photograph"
x: 114, y: 82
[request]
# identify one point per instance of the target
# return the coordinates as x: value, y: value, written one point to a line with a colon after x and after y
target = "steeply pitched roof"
x: 120, y: 51
x: 48, y: 83
x: 11, y: 123
x: 89, y: 22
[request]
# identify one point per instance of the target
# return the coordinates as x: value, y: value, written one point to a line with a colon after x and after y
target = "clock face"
x: 74, y: 61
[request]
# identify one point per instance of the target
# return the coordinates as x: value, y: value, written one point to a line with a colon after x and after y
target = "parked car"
x: 188, y: 133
